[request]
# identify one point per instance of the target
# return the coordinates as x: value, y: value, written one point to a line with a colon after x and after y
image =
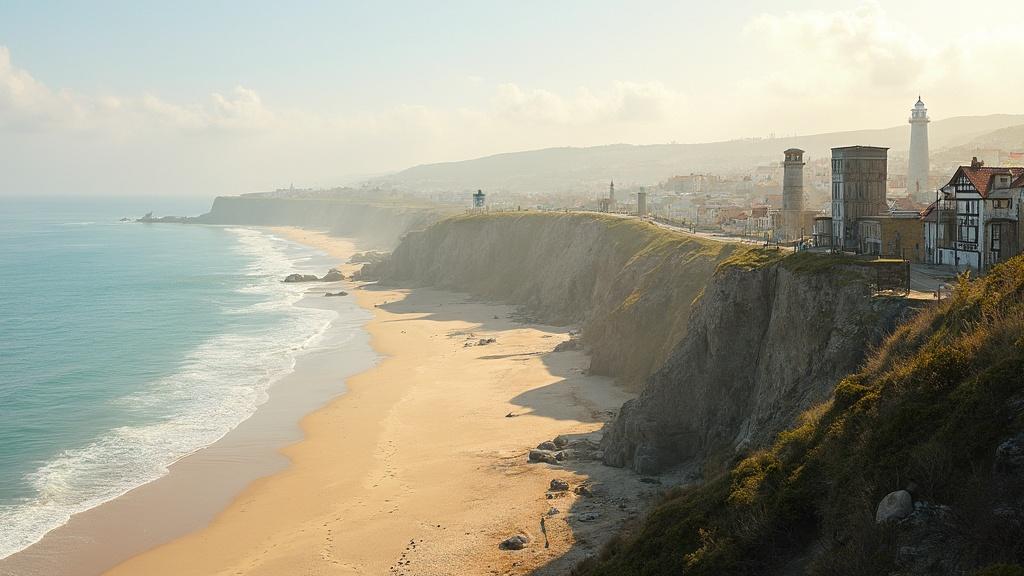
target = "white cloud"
x: 235, y: 142
x: 805, y: 68
x: 626, y: 102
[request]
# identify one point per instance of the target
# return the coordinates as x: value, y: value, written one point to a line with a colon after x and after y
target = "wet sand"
x: 202, y: 484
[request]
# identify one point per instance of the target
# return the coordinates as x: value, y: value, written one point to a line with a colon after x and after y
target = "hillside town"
x: 964, y: 216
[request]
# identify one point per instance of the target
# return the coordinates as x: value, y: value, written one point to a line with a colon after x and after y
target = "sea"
x: 125, y: 347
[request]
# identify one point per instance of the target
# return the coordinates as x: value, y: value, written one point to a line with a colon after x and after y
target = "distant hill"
x: 579, y: 169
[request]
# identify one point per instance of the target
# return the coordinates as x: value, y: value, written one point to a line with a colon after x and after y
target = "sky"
x: 202, y: 98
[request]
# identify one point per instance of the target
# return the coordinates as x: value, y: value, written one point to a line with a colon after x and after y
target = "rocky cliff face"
x: 728, y: 344
x: 380, y: 226
x: 628, y: 284
x: 763, y: 345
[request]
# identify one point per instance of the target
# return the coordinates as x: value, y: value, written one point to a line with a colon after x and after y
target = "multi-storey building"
x: 858, y: 190
x: 976, y: 223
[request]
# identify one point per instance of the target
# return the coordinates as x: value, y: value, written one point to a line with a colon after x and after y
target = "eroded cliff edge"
x: 727, y: 343
x: 764, y: 344
x: 627, y: 283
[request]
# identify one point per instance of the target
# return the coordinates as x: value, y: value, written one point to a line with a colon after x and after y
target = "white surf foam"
x: 222, y: 382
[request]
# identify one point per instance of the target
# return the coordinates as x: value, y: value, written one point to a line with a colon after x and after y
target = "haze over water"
x: 127, y: 346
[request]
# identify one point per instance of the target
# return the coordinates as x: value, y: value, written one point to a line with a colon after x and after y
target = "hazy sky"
x: 203, y: 98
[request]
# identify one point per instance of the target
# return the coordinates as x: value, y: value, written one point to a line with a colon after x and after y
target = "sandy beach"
x: 421, y: 466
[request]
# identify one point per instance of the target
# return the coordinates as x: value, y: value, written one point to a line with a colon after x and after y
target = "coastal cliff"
x: 378, y: 225
x: 628, y: 284
x: 727, y: 343
x: 913, y: 466
x: 764, y: 343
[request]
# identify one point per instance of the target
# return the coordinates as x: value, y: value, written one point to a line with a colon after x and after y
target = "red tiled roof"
x: 981, y: 176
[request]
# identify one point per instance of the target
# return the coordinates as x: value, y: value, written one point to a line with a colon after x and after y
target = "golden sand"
x: 417, y: 469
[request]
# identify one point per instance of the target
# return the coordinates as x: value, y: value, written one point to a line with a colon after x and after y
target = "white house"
x: 976, y: 222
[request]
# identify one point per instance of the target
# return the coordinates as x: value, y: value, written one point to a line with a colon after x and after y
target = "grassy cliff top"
x: 634, y: 232
x: 926, y: 413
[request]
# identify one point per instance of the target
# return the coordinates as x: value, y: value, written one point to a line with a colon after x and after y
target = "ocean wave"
x: 220, y: 384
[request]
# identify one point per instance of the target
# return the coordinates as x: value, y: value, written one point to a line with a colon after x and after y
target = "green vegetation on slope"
x: 926, y: 413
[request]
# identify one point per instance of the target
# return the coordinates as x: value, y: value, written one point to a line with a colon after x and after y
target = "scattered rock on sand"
x: 547, y: 445
x: 517, y: 542
x: 333, y: 275
x: 300, y: 278
x: 342, y: 293
x: 368, y: 257
x: 486, y: 341
x: 542, y: 456
x: 552, y: 511
x: 588, y: 516
x: 558, y: 485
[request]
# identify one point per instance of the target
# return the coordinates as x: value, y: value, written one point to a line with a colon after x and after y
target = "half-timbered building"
x: 976, y: 223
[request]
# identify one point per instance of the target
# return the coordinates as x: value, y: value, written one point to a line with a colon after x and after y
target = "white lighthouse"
x: 917, y: 171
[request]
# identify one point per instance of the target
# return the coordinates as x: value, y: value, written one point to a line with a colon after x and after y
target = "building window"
x: 968, y: 233
x: 997, y: 233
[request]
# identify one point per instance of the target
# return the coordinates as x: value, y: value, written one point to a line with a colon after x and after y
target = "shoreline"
x: 208, y: 479
x: 421, y: 466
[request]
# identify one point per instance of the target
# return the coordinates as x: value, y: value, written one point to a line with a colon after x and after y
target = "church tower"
x: 917, y: 171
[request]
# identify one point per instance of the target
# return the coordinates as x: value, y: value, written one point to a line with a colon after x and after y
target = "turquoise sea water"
x: 125, y: 346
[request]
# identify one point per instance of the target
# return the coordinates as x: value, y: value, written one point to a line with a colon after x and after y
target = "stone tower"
x: 611, y: 195
x: 792, y: 192
x: 859, y: 176
x: 917, y: 171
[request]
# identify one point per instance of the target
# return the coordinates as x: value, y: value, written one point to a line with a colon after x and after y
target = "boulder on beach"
x: 342, y: 293
x: 517, y: 542
x: 542, y: 456
x: 558, y: 485
x: 333, y: 275
x: 547, y: 445
x: 300, y: 278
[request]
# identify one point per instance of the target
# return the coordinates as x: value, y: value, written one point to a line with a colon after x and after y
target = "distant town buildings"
x: 917, y: 170
x: 479, y: 200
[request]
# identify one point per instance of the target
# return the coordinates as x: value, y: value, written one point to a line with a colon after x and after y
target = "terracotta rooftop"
x: 981, y: 176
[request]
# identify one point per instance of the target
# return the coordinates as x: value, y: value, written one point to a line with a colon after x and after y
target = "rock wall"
x: 764, y: 344
x: 628, y: 284
x: 727, y: 343
x: 380, y: 226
